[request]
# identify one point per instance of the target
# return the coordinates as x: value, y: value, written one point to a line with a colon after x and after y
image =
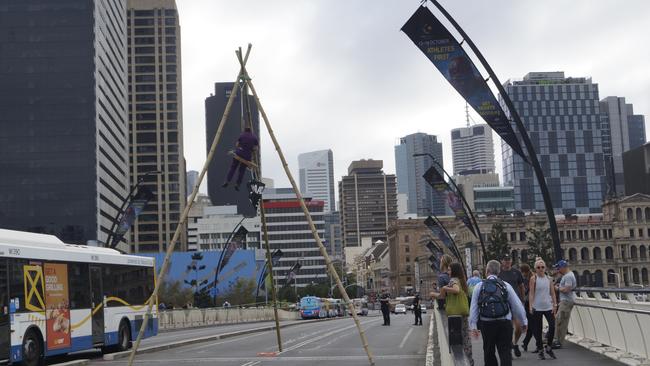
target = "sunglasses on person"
x: 540, y: 267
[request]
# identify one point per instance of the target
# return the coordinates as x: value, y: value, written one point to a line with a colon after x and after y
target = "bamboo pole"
x: 312, y: 227
x: 267, y: 246
x: 186, y: 211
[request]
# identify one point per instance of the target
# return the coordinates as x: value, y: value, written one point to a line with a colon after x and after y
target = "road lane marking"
x: 304, y: 343
x: 233, y: 339
x: 401, y: 345
x: 281, y: 360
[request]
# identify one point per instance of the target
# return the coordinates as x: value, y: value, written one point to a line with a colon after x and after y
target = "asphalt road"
x: 334, y: 342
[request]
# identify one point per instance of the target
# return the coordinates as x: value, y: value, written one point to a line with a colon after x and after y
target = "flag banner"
x: 136, y: 206
x: 446, y: 193
x: 433, y: 248
x: 265, y: 276
x: 238, y: 241
x: 293, y: 272
x: 449, y: 57
x: 439, y: 233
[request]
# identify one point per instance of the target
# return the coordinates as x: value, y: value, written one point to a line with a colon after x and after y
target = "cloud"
x: 340, y: 74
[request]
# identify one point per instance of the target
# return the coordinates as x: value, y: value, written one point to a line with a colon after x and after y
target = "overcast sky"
x: 340, y: 74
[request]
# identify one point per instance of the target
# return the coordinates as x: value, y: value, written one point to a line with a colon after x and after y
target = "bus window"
x: 79, y: 285
x: 17, y: 283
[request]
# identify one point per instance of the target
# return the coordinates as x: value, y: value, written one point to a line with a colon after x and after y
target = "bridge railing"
x: 614, y: 317
x: 188, y: 318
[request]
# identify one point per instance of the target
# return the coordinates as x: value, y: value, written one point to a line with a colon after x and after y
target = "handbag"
x: 457, y: 304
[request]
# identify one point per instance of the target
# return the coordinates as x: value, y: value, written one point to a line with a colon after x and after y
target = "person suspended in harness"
x: 246, y: 145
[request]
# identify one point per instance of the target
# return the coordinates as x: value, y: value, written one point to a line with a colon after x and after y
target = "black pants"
x: 538, y: 324
x: 386, y: 314
x: 529, y: 330
x: 418, y: 316
x: 497, y: 334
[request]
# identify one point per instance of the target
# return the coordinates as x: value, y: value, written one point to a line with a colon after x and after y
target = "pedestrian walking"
x: 494, y: 305
x: 417, y: 310
x: 473, y: 281
x: 516, y: 280
x: 567, y: 298
x: 455, y: 294
x: 385, y: 308
x: 542, y: 304
x: 527, y: 274
x: 443, y: 279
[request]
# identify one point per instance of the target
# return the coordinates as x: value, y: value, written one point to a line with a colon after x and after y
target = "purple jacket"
x: 247, y: 143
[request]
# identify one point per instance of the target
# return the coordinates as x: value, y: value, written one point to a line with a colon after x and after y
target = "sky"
x: 340, y: 75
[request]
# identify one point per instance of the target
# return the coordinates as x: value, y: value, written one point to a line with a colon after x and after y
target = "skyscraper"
x: 63, y: 125
x: 288, y: 231
x: 215, y: 105
x: 472, y: 150
x: 421, y: 198
x: 155, y: 121
x: 562, y: 117
x: 317, y: 176
x: 190, y: 181
x: 368, y: 202
x: 627, y: 133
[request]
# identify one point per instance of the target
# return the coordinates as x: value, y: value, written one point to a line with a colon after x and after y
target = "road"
x: 334, y: 342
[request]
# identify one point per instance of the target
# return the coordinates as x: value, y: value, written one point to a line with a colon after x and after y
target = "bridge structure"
x: 608, y: 326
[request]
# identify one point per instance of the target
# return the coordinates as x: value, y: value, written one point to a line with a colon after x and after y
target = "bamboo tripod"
x: 246, y: 81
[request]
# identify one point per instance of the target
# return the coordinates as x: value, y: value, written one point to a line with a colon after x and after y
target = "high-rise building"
x: 468, y: 183
x: 627, y: 133
x: 215, y: 105
x: 190, y: 181
x: 422, y: 201
x: 155, y: 121
x: 333, y: 236
x: 562, y: 117
x: 368, y: 203
x: 636, y: 170
x: 63, y: 120
x: 288, y: 231
x: 472, y: 150
x: 317, y: 176
x: 217, y: 224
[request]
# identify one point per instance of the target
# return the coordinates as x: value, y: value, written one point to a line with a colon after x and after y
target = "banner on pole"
x: 446, y: 193
x: 265, y: 274
x: 293, y: 272
x: 238, y: 241
x: 440, y: 233
x: 137, y: 205
x: 449, y: 57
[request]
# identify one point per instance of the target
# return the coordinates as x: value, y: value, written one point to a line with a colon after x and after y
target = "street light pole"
x: 462, y: 197
x: 126, y: 200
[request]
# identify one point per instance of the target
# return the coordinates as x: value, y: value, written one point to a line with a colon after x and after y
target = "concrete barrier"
x: 190, y: 318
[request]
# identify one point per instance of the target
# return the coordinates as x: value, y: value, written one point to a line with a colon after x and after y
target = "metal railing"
x: 615, y: 317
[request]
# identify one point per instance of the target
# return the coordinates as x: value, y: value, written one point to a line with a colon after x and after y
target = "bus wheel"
x: 124, y: 337
x: 32, y: 349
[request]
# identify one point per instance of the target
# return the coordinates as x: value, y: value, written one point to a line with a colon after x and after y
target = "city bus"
x: 57, y: 298
x: 312, y: 307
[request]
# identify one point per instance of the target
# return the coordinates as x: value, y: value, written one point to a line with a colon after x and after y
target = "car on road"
x: 400, y: 309
x: 423, y: 308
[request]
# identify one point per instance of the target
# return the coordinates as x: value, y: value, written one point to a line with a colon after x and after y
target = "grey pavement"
x: 334, y: 342
x: 570, y: 354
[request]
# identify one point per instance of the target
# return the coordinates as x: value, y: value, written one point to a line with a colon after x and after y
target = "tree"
x: 174, y: 294
x: 540, y: 244
x: 241, y: 292
x: 497, y: 243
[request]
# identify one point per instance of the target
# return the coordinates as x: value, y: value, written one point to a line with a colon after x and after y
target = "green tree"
x: 497, y: 245
x: 540, y: 244
x: 174, y: 294
x: 241, y: 292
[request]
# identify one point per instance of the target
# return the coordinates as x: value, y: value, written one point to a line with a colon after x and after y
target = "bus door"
x: 97, y: 299
x: 5, y: 330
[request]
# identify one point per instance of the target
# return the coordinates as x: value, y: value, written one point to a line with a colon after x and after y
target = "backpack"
x: 493, y: 299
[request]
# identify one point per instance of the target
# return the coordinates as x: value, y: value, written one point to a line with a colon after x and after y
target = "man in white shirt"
x: 495, y: 308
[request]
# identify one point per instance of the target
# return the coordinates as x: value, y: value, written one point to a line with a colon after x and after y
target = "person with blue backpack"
x: 494, y: 305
